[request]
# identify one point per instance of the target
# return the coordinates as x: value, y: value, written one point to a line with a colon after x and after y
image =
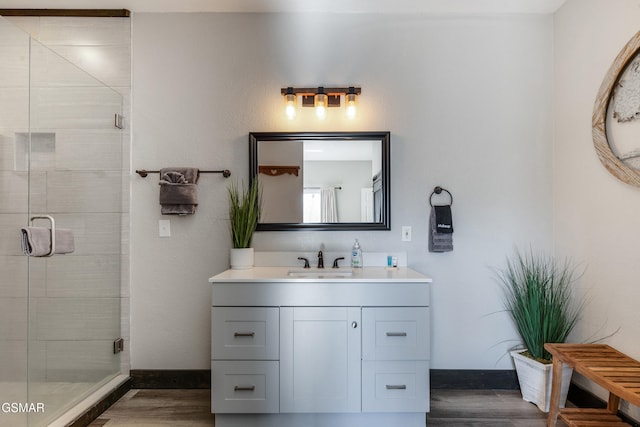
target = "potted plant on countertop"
x: 244, y: 214
x: 539, y: 299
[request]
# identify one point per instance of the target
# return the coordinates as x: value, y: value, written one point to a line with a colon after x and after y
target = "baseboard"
x: 170, y: 379
x: 469, y: 379
x: 583, y: 398
x: 100, y: 406
x: 459, y: 379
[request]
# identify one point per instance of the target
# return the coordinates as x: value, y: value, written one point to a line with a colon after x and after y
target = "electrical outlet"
x: 406, y: 233
x: 164, y: 228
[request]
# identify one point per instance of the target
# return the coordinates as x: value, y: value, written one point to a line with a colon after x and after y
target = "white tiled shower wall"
x: 80, y: 194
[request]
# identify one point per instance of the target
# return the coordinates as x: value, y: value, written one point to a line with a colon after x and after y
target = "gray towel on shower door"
x: 36, y: 241
x: 438, y: 242
x: 178, y: 191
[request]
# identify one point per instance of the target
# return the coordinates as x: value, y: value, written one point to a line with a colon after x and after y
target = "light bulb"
x: 320, y: 101
x: 290, y: 106
x: 350, y: 101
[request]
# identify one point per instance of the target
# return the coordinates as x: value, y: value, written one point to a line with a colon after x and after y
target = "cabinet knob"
x: 354, y: 325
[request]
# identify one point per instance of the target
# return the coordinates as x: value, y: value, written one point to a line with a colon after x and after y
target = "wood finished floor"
x: 449, y: 408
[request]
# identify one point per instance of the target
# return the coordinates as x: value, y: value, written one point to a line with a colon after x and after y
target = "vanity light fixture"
x: 320, y: 98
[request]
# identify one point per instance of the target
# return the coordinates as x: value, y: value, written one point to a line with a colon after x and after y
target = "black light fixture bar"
x: 311, y: 91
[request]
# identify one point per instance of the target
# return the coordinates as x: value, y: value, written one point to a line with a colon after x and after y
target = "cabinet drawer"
x: 245, y: 333
x: 244, y: 387
x: 395, y: 386
x: 395, y: 333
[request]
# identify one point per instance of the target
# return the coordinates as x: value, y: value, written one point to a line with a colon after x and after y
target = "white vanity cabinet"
x: 339, y: 352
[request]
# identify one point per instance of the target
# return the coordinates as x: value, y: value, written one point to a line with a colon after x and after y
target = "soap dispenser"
x: 356, y: 255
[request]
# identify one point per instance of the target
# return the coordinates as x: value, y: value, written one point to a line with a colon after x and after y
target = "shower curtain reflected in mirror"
x: 328, y: 205
x: 319, y: 205
x: 60, y: 155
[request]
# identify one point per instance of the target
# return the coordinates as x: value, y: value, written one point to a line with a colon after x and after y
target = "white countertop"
x: 281, y: 274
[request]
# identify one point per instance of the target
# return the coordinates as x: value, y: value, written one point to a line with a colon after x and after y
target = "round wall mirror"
x: 616, y: 116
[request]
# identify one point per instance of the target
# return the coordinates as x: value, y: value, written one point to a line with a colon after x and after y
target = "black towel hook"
x: 439, y: 190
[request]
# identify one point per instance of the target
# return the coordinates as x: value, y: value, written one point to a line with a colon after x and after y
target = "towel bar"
x: 143, y: 172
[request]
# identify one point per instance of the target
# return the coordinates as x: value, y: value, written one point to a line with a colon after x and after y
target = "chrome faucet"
x: 320, y: 260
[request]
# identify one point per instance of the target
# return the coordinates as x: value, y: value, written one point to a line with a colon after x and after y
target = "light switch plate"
x: 164, y: 228
x: 406, y: 233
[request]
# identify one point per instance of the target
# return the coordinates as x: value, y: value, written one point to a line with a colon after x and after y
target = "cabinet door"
x: 320, y: 359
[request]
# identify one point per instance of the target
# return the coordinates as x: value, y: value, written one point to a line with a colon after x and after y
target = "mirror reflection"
x: 322, y: 181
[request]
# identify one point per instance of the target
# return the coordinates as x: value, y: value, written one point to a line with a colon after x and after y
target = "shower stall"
x: 62, y: 154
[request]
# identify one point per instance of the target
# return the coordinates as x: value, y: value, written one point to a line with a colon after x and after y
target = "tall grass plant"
x: 245, y: 206
x: 538, y: 296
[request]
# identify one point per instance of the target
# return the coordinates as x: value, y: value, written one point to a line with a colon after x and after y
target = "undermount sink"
x: 321, y: 273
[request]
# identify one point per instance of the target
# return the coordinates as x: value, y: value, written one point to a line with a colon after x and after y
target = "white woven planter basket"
x: 535, y: 380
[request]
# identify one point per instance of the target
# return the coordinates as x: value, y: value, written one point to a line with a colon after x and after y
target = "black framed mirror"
x: 322, y: 180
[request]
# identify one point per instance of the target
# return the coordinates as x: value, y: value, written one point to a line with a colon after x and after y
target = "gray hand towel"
x: 178, y: 191
x: 36, y: 241
x: 438, y: 242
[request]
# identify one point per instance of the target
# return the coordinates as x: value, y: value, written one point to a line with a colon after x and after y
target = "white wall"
x: 595, y: 215
x: 468, y: 103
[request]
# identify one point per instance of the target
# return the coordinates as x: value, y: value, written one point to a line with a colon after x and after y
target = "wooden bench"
x: 602, y: 364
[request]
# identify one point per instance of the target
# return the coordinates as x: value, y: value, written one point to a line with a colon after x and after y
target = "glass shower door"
x: 60, y: 155
x: 75, y: 163
x: 14, y: 207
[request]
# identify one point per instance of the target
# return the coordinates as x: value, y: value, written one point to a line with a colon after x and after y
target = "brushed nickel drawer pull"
x: 244, y: 334
x: 396, y: 334
x: 396, y: 387
x: 244, y: 388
